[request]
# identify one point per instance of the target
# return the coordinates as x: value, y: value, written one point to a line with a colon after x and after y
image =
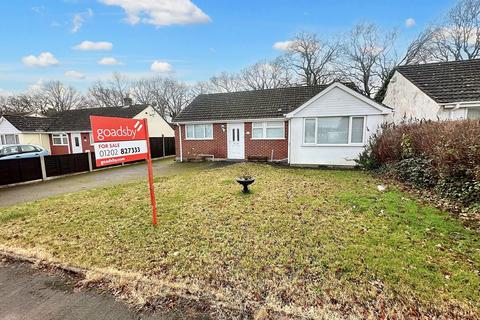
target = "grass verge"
x: 307, y: 243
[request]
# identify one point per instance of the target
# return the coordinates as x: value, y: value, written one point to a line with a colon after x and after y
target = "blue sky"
x: 190, y: 40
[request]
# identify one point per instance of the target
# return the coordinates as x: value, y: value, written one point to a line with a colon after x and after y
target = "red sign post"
x: 119, y: 140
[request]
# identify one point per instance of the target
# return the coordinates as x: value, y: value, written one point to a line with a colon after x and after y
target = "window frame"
x: 264, y: 130
x: 3, y: 139
x: 349, y: 143
x: 204, y: 131
x: 468, y: 109
x: 61, y: 136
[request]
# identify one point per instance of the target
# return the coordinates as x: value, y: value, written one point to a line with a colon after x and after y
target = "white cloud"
x: 94, y: 46
x: 109, y: 61
x: 160, y: 12
x: 159, y: 66
x: 410, y: 22
x: 79, y: 19
x: 45, y: 59
x: 283, y: 45
x: 35, y: 87
x: 74, y: 75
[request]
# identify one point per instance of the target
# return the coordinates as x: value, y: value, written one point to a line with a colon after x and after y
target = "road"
x: 30, y: 294
x: 73, y: 183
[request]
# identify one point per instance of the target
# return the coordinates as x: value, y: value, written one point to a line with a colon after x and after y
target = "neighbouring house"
x: 435, y: 91
x: 70, y: 131
x: 305, y: 125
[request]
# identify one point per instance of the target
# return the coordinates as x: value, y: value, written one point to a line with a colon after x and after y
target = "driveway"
x: 35, y: 191
x: 30, y: 294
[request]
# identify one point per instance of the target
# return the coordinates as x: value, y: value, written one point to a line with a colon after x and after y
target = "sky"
x: 81, y: 41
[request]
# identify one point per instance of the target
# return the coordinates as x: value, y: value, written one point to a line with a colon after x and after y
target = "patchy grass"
x: 309, y: 243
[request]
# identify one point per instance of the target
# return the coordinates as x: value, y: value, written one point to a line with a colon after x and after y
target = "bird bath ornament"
x: 245, y: 180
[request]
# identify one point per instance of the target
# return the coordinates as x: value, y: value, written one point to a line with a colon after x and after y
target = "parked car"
x: 19, y: 151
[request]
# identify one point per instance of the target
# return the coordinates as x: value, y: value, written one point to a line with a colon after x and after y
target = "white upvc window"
x: 268, y: 130
x: 9, y: 139
x: 342, y: 130
x: 60, y: 139
x: 473, y: 113
x: 199, y: 131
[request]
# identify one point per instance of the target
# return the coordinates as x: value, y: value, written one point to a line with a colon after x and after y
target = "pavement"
x: 90, y: 180
x: 30, y: 294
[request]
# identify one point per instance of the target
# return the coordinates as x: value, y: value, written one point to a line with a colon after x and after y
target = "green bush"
x: 417, y: 172
x: 441, y: 155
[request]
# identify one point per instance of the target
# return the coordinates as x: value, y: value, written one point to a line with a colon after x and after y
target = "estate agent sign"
x: 119, y: 140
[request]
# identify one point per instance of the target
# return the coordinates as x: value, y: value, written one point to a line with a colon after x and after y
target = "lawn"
x: 305, y: 242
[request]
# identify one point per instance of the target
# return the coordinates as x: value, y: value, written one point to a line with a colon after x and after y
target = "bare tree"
x: 266, y: 75
x: 368, y: 57
x: 110, y: 93
x: 57, y: 97
x: 458, y: 37
x: 226, y: 82
x: 312, y: 59
x: 168, y: 96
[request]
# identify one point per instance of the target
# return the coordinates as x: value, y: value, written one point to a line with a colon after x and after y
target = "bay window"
x: 199, y: 131
x: 59, y: 139
x: 268, y: 130
x: 334, y: 130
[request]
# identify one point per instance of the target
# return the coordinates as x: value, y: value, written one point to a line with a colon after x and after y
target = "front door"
x: 76, y: 143
x: 235, y: 141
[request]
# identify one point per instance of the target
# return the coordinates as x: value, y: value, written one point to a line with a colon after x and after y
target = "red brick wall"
x: 264, y: 148
x: 191, y: 148
x: 218, y: 146
x: 58, y: 149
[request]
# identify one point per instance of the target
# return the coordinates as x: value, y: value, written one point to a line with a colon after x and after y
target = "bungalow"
x: 435, y: 91
x: 70, y: 131
x: 305, y: 125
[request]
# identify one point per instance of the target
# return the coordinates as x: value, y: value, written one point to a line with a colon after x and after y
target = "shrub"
x: 443, y: 155
x: 417, y: 172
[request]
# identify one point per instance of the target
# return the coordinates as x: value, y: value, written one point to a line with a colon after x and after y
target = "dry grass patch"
x: 306, y: 242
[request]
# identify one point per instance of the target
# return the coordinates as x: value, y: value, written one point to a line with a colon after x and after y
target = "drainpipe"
x: 180, y: 139
x: 289, y: 143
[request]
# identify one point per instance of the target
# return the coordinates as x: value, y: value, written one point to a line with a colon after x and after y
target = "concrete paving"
x: 30, y: 294
x: 73, y: 183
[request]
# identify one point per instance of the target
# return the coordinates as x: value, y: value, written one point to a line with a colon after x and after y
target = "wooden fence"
x: 21, y: 170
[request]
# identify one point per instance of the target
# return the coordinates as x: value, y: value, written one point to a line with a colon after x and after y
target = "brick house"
x: 305, y: 125
x: 69, y: 131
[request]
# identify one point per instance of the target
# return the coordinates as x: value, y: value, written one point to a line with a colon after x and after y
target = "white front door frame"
x: 236, y: 141
x: 76, y: 142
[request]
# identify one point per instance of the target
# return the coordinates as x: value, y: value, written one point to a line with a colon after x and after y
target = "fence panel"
x: 169, y: 146
x: 20, y: 170
x: 157, y: 148
x: 66, y: 163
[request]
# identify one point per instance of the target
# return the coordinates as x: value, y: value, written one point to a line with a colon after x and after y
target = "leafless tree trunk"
x: 226, y: 82
x: 58, y: 97
x: 368, y: 57
x: 311, y: 59
x: 110, y: 93
x: 168, y: 96
x: 266, y: 75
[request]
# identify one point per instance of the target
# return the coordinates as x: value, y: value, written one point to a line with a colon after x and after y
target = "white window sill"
x: 267, y: 138
x: 333, y: 145
x: 59, y: 145
x: 198, y: 139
